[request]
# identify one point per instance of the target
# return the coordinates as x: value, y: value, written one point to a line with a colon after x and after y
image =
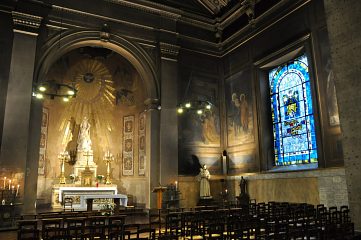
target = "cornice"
x: 26, y: 23
x: 149, y: 9
x: 168, y: 12
x: 60, y: 9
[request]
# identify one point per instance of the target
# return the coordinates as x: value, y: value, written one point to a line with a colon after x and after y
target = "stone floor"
x: 8, y: 235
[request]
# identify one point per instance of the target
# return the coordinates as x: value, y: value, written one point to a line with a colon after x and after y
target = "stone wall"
x: 326, y: 186
x: 343, y: 19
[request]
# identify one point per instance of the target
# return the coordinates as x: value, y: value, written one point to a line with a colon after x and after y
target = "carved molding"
x: 169, y: 51
x: 214, y: 6
x: 147, y: 9
x: 26, y: 23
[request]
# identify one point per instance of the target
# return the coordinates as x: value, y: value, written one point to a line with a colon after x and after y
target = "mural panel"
x: 201, y: 129
x: 43, y: 141
x: 239, y: 101
x: 199, y: 132
x: 128, y: 136
x: 141, y: 146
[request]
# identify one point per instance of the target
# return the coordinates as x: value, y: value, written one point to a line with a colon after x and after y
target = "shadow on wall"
x: 190, y: 166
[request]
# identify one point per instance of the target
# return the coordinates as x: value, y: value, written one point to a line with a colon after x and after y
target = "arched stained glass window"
x: 292, y: 113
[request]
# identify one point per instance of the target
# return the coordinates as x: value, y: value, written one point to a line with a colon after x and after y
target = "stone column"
x: 152, y: 149
x: 343, y: 22
x: 18, y: 133
x: 168, y: 114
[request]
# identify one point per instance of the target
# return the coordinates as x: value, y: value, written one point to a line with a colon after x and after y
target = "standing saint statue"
x: 243, y: 198
x: 204, y: 190
x: 243, y: 185
x: 84, y: 142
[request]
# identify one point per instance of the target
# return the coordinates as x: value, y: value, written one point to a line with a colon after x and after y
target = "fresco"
x: 201, y: 129
x: 239, y: 101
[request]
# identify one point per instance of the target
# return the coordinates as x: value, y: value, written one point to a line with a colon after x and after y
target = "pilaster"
x: 168, y: 113
x: 19, y: 138
x: 343, y: 19
x: 152, y: 148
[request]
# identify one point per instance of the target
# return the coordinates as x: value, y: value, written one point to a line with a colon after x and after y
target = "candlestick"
x: 4, y: 182
x: 9, y: 183
x: 17, y: 191
x: 108, y: 158
x: 63, y: 157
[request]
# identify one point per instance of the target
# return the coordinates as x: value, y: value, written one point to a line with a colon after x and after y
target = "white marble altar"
x: 79, y: 194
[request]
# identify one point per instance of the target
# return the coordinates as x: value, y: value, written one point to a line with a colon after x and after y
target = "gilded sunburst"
x: 95, y: 97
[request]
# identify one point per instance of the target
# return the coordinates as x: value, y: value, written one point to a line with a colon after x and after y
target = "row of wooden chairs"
x: 80, y: 225
x: 261, y: 221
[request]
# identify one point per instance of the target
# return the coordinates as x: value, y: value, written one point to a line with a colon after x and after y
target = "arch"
x: 60, y: 45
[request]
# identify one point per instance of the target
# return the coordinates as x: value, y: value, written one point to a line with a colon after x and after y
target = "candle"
x: 4, y: 182
x: 9, y: 183
x: 12, y: 189
x: 17, y: 190
x: 176, y: 185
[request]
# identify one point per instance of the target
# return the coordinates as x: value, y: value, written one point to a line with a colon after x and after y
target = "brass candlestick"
x: 108, y: 158
x: 63, y: 157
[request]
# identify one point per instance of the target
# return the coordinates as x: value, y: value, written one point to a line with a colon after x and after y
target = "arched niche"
x: 60, y: 45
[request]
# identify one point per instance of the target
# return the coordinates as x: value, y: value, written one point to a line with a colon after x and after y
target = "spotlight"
x: 188, y: 105
x: 199, y: 111
x: 180, y: 110
x: 42, y: 89
x: 39, y: 96
x: 71, y: 92
x: 208, y: 106
x: 65, y: 99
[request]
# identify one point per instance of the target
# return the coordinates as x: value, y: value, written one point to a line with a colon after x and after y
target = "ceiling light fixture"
x: 53, y: 89
x: 199, y: 106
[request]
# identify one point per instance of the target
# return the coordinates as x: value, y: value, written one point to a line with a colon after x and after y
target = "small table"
x: 116, y: 197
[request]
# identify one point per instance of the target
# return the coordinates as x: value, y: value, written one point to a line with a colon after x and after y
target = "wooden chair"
x: 28, y: 230
x: 51, y: 228
x: 97, y: 227
x: 74, y: 228
x: 116, y: 227
x: 131, y: 231
x: 68, y: 204
x: 146, y: 234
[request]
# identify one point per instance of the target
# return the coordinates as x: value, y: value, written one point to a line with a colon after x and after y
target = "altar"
x: 80, y: 194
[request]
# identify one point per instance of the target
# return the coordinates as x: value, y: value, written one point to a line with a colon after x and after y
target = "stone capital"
x: 26, y: 23
x: 152, y: 104
x: 169, y: 51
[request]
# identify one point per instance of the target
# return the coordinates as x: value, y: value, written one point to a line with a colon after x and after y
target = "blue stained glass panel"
x: 292, y: 113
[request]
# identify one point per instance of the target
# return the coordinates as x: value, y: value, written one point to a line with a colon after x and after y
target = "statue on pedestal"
x: 204, y: 189
x: 243, y: 196
x: 84, y: 141
x: 84, y: 151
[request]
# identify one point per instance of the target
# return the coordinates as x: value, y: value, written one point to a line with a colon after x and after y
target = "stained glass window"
x: 292, y: 113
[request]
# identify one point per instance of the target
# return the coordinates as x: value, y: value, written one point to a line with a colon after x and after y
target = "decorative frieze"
x: 26, y: 23
x: 169, y: 51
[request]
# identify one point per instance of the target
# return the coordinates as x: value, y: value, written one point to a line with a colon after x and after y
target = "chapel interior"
x: 166, y: 104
